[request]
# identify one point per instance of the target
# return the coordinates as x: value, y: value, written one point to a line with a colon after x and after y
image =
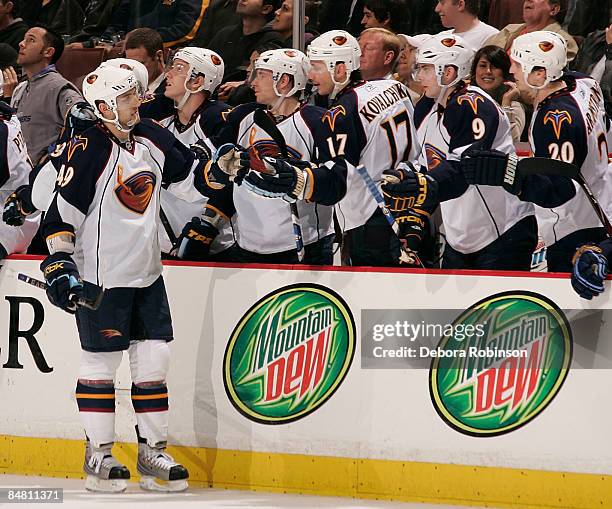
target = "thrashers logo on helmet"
x: 91, y: 79
x: 340, y: 40
x: 449, y: 43
x: 546, y: 46
x: 290, y: 53
x: 215, y: 60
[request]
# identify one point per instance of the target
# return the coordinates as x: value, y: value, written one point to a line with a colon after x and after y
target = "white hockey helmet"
x: 333, y: 47
x: 138, y: 68
x: 106, y: 84
x: 442, y: 50
x: 201, y: 61
x: 284, y: 61
x: 540, y: 49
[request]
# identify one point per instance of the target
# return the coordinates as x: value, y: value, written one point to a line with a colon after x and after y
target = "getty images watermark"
x: 414, y: 338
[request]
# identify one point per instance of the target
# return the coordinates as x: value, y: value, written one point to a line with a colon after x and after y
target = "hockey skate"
x: 104, y: 473
x: 158, y: 470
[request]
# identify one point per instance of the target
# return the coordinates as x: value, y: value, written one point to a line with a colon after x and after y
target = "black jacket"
x: 235, y: 48
x: 177, y: 21
x: 13, y: 34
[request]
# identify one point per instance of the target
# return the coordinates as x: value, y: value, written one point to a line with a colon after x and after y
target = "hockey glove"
x: 589, y: 272
x: 195, y: 239
x: 404, y: 188
x: 64, y: 284
x: 491, y: 168
x: 201, y: 151
x: 17, y: 207
x: 280, y: 180
x: 229, y: 163
x: 413, y: 227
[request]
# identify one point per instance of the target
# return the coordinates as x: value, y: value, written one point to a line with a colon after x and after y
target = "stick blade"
x: 546, y: 166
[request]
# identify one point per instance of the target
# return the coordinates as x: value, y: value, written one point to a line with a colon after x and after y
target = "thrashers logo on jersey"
x: 434, y: 156
x: 266, y: 148
x: 136, y: 192
x: 331, y: 115
x: 556, y: 118
x: 472, y: 99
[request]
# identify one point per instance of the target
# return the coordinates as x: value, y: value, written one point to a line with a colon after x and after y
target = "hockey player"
x: 102, y: 224
x: 37, y: 193
x: 193, y: 77
x: 568, y: 124
x: 372, y: 125
x: 486, y: 228
x: 15, y: 168
x: 263, y: 227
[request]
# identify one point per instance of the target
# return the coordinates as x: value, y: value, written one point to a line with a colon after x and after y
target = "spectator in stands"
x: 462, y: 17
x: 283, y: 24
x: 62, y: 16
x: 236, y: 43
x: 389, y: 14
x: 491, y: 72
x: 505, y: 12
x: 537, y: 15
x: 43, y: 100
x: 235, y: 93
x: 146, y: 46
x: 341, y: 15
x: 177, y: 21
x: 219, y: 14
x: 380, y: 50
x: 405, y: 64
x: 12, y: 27
x: 98, y: 14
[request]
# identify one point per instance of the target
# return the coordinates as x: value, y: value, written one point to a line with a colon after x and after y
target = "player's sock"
x: 151, y: 406
x: 97, y: 409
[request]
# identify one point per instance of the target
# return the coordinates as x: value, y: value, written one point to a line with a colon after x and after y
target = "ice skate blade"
x: 149, y: 483
x: 97, y: 485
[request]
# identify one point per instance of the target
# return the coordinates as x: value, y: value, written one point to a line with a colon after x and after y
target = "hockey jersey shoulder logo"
x: 75, y: 143
x: 471, y: 98
x: 136, y: 192
x: 434, y: 156
x: 331, y: 115
x: 556, y: 118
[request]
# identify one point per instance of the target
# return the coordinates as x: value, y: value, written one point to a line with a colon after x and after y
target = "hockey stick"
x: 82, y: 302
x: 168, y: 228
x: 405, y: 256
x: 263, y: 121
x: 545, y: 166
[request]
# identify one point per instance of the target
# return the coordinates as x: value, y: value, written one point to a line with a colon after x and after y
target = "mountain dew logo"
x: 289, y: 353
x: 496, y: 382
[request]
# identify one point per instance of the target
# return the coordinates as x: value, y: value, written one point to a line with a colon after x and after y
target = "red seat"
x: 75, y: 63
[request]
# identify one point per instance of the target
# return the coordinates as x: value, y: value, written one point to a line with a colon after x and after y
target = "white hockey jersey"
x: 15, y: 168
x: 108, y: 196
x: 263, y: 225
x: 203, y: 125
x: 476, y: 215
x: 373, y: 125
x: 570, y: 125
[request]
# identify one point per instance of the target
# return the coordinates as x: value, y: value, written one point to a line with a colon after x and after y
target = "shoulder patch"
x: 434, y: 155
x: 75, y: 143
x: 332, y: 115
x: 556, y: 118
x: 471, y: 98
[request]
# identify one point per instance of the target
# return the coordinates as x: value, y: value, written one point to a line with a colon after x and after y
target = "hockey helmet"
x: 540, y: 49
x: 333, y: 47
x: 106, y: 84
x: 138, y: 68
x: 442, y: 50
x: 201, y: 61
x: 284, y: 61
